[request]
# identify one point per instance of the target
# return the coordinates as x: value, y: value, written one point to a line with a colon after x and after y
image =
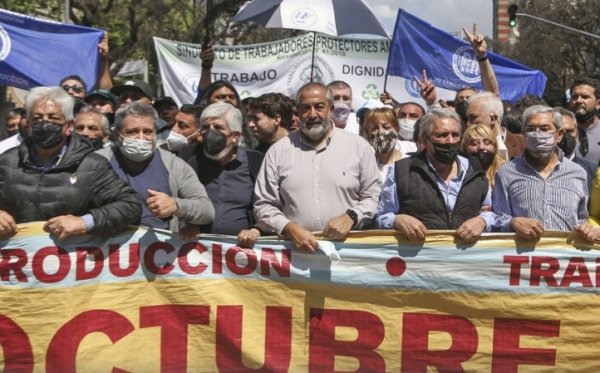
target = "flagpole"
x: 312, y: 65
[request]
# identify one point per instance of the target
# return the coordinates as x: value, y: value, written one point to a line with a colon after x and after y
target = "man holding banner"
x: 439, y: 189
x: 53, y: 177
x: 542, y: 190
x: 310, y: 182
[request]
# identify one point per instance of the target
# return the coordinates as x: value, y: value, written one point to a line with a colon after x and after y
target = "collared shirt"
x: 558, y: 202
x: 229, y: 187
x: 298, y: 183
x: 389, y: 205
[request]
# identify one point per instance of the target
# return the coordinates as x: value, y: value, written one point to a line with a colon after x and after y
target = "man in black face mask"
x: 438, y: 188
x: 569, y: 143
x: 585, y: 103
x: 227, y: 171
x: 53, y: 176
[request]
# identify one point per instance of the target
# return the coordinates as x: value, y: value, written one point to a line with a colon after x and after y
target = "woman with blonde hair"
x: 381, y: 130
x: 479, y: 141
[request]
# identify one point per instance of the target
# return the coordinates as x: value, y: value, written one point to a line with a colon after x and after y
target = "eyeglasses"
x: 74, y: 88
x: 584, y: 145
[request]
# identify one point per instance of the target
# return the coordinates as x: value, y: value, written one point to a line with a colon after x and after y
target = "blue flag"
x: 35, y: 52
x: 451, y: 63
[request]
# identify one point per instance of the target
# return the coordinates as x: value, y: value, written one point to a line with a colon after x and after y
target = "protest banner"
x: 450, y: 62
x: 146, y: 301
x: 281, y: 66
x: 37, y: 52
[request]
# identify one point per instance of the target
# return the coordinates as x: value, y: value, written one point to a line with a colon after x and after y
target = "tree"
x: 561, y: 54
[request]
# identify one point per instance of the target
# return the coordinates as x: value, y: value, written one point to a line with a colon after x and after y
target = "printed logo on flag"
x: 465, y: 66
x: 304, y: 17
x: 412, y: 88
x: 4, y: 44
x: 300, y: 73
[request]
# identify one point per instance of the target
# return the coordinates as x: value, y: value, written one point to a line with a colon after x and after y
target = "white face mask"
x: 407, y: 128
x: 136, y: 150
x: 176, y: 141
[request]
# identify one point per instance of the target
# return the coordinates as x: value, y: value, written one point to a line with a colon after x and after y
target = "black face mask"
x: 46, y: 135
x: 214, y: 141
x: 445, y: 153
x: 582, y: 118
x: 485, y: 158
x: 567, y: 144
x: 461, y: 110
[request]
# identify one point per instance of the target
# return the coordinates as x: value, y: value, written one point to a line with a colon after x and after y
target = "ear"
x: 69, y: 125
x: 598, y: 104
x: 493, y: 119
x: 277, y: 120
x: 236, y: 136
x: 560, y: 133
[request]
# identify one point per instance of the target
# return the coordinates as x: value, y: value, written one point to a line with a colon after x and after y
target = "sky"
x: 448, y: 15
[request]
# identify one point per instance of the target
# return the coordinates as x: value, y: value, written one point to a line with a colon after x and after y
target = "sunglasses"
x: 75, y: 88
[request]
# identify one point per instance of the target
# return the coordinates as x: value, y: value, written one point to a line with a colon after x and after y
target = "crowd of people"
x: 301, y: 167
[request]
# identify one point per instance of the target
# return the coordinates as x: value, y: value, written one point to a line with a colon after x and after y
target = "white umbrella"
x: 332, y: 17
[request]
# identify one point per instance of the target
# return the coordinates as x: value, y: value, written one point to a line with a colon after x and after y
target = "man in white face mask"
x: 408, y: 114
x: 186, y: 130
x: 542, y: 190
x: 174, y: 197
x: 341, y: 113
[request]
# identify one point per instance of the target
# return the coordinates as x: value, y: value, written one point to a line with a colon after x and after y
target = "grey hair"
x: 427, y: 120
x: 104, y: 124
x: 54, y: 94
x: 231, y: 115
x: 136, y: 109
x: 311, y: 85
x: 491, y: 103
x: 537, y: 109
x: 566, y: 112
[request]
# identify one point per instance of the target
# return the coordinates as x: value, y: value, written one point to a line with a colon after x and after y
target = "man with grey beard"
x: 318, y: 179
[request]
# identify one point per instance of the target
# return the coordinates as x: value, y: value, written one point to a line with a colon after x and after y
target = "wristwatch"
x: 353, y: 215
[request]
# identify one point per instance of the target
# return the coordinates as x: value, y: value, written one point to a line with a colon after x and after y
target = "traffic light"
x: 512, y: 15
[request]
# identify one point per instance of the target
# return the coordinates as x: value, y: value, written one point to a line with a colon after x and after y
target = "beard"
x: 315, y: 131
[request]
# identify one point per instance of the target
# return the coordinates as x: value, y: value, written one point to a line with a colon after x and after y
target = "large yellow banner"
x: 146, y: 301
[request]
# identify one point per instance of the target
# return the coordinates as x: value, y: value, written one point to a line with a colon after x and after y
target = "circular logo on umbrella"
x: 304, y: 17
x: 465, y: 66
x: 4, y: 44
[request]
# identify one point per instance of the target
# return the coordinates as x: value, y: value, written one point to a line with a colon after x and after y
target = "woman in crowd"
x: 480, y: 142
x: 381, y: 129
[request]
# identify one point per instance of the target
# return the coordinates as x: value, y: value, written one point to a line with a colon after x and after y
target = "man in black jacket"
x: 54, y: 176
x: 439, y: 189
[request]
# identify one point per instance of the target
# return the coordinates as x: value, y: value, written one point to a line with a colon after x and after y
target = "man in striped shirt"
x: 542, y: 190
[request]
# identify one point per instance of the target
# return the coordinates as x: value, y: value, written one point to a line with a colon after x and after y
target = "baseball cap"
x: 139, y: 85
x: 101, y: 92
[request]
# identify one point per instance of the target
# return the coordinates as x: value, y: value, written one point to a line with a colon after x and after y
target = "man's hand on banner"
x: 65, y: 226
x: 527, y: 228
x: 338, y: 227
x: 410, y: 227
x: 427, y: 89
x: 588, y: 232
x: 470, y: 230
x: 189, y: 232
x: 8, y: 227
x: 302, y: 238
x: 248, y: 237
x: 477, y: 41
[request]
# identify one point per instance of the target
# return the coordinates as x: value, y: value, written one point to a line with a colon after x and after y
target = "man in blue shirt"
x: 542, y: 190
x: 437, y: 188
